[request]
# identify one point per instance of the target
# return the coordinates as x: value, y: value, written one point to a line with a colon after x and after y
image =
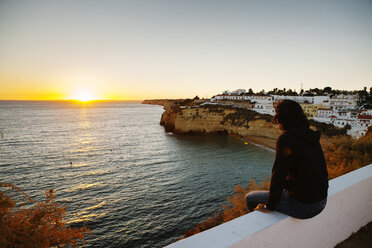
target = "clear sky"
x: 175, y: 49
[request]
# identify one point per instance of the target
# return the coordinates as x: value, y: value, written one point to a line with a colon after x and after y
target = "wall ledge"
x: 349, y: 207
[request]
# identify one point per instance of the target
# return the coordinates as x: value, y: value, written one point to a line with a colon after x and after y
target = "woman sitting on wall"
x: 299, y: 179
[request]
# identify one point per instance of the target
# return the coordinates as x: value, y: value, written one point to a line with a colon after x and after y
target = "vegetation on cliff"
x: 343, y: 154
x: 242, y: 116
x: 217, y: 108
x: 329, y: 129
x: 27, y: 223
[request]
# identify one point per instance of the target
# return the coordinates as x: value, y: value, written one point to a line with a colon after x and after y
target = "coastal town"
x: 352, y: 110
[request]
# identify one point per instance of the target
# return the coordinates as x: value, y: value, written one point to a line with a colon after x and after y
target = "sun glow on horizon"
x: 84, y: 95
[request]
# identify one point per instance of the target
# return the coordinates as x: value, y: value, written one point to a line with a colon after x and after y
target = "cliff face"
x: 215, y: 118
x: 169, y: 116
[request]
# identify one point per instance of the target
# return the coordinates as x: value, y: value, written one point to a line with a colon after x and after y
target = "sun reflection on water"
x: 85, y: 186
x: 83, y: 217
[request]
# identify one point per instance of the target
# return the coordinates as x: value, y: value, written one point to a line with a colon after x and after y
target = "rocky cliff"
x: 188, y: 116
x: 217, y: 118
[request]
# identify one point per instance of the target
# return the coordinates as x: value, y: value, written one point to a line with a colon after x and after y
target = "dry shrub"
x: 236, y: 205
x: 344, y: 153
x: 34, y: 224
x: 234, y: 208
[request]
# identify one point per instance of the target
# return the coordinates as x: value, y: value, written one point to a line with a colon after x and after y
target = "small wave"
x: 78, y: 165
x: 95, y: 172
x: 84, y: 186
x: 99, y: 205
x: 82, y: 217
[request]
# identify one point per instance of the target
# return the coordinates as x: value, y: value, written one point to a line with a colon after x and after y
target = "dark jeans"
x: 286, y: 205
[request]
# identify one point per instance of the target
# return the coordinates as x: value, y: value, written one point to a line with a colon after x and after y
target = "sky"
x: 145, y: 49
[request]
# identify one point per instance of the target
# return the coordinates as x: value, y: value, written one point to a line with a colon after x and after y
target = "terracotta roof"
x: 366, y: 117
x: 364, y: 110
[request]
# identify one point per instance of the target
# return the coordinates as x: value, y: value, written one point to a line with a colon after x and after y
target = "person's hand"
x: 262, y: 208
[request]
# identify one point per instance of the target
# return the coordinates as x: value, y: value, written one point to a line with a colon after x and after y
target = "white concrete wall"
x: 349, y: 207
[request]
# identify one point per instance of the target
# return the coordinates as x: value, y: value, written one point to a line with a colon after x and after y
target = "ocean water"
x: 113, y: 165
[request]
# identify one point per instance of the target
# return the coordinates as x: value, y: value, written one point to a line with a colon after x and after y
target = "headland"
x: 191, y: 116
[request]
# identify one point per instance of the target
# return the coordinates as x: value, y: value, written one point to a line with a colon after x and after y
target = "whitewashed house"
x: 324, y: 112
x: 263, y: 104
x: 227, y: 97
x: 360, y: 126
x: 299, y: 99
x: 341, y: 122
x: 344, y: 102
x: 239, y: 92
x: 324, y: 115
x: 320, y: 99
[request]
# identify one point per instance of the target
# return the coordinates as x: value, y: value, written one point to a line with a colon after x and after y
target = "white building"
x: 324, y: 112
x: 299, y: 99
x: 320, y: 100
x: 323, y: 100
x: 326, y: 103
x: 324, y: 115
x: 262, y: 104
x: 360, y: 126
x: 235, y: 92
x: 227, y: 97
x: 343, y: 102
x: 367, y: 112
x: 341, y: 122
x: 253, y: 98
x: 239, y: 92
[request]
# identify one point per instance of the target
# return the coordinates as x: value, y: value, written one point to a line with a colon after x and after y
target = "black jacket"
x: 299, y: 168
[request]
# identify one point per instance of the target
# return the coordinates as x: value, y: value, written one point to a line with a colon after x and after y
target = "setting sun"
x: 84, y: 95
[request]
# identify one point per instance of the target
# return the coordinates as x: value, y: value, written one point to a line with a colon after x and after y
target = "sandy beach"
x: 263, y: 141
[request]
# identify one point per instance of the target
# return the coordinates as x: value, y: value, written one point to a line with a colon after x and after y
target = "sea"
x: 117, y: 171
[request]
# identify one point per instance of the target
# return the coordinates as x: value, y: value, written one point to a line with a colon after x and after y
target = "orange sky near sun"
x: 42, y: 90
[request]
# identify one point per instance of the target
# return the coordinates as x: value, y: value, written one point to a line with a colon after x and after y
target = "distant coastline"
x: 156, y: 101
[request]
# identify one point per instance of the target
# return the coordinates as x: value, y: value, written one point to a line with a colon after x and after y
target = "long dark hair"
x: 290, y: 115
